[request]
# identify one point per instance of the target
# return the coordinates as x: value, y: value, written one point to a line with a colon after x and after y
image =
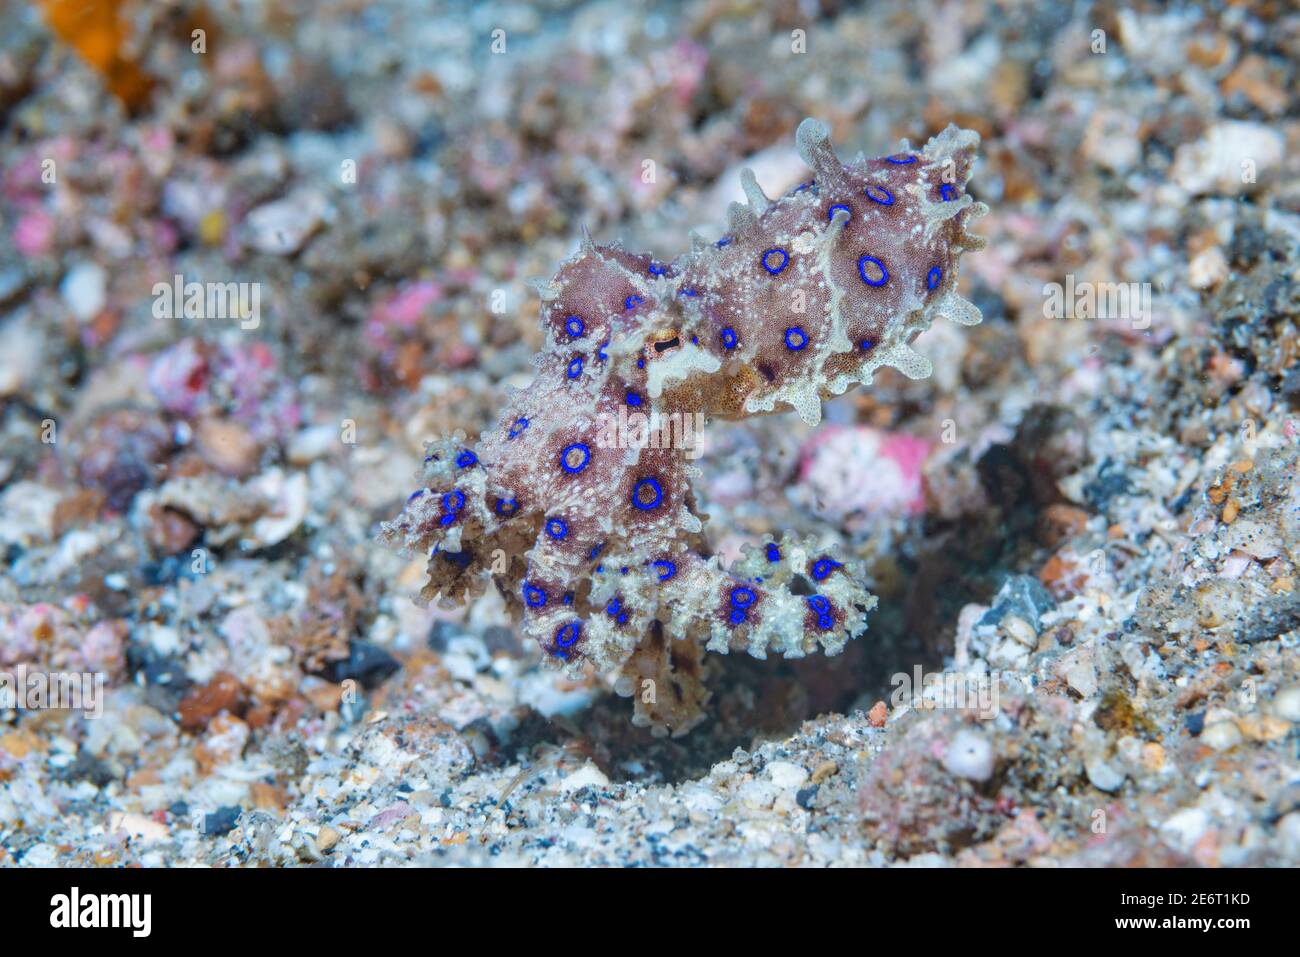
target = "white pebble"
x: 1103, y: 775
x: 787, y: 775
x: 83, y: 290
x: 1287, y: 704
x: 1231, y: 156
x: 586, y: 776
x: 280, y: 228
x: 969, y: 755
x: 1288, y: 833
x: 1185, y: 827
x: 1222, y: 735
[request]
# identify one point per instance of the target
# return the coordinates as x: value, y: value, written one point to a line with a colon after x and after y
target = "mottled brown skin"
x: 599, y: 546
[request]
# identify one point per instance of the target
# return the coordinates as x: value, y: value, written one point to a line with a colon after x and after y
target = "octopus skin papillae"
x: 599, y: 549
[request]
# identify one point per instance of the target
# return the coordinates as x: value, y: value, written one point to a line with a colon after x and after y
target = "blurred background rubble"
x: 1099, y: 513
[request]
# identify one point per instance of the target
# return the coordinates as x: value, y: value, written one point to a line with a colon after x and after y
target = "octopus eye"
x: 663, y: 345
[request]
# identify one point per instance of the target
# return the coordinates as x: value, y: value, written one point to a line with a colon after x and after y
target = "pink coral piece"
x: 401, y: 312
x: 859, y: 469
x: 34, y: 234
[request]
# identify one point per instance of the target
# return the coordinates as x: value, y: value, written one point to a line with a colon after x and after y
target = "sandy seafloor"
x: 1103, y: 513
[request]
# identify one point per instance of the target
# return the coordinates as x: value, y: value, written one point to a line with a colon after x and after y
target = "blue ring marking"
x: 632, y: 301
x: 459, y: 499
x: 623, y: 570
x: 825, y: 621
x: 557, y: 529
x: 724, y: 241
x: 867, y: 344
x: 801, y: 338
x: 614, y: 606
x: 741, y: 592
x: 803, y: 186
x: 819, y: 603
x: 657, y: 270
x: 466, y: 459
x: 737, y: 616
x: 534, y: 597
x: 773, y: 553
x: 633, y: 399
x: 595, y: 550
x: 574, y: 326
x: 636, y: 494
x: 566, y: 635
x: 907, y: 159
x: 640, y: 363
x: 830, y: 213
x: 729, y: 339
x: 785, y: 260
x: 416, y: 494
x: 669, y: 568
x: 600, y: 354
x: 447, y: 519
x: 933, y: 277
x: 575, y: 367
x: 947, y: 192
x: 568, y: 598
x: 888, y: 196
x: 460, y: 559
x: 501, y: 508
x: 695, y: 340
x: 862, y: 271
x: 519, y: 426
x: 575, y: 447
x: 688, y: 292
x: 823, y: 567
